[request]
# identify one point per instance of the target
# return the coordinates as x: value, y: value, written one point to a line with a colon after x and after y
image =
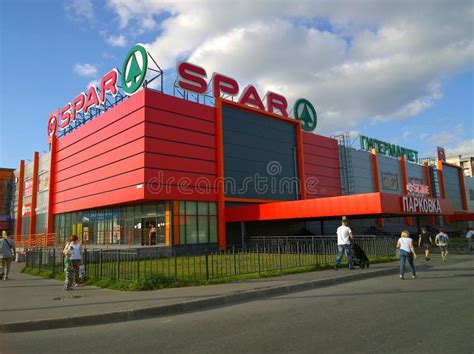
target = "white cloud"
x: 116, y: 41
x: 379, y: 60
x: 87, y: 70
x: 465, y: 148
x: 80, y: 10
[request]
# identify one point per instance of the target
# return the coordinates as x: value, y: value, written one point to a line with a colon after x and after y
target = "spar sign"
x: 132, y: 77
x: 191, y: 78
x: 420, y: 205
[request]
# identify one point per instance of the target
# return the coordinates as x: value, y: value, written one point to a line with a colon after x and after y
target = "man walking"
x: 425, y: 241
x: 470, y: 238
x: 344, y: 238
x: 441, y: 241
x: 7, y: 254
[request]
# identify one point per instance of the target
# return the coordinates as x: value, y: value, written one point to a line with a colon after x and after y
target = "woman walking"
x: 74, y: 248
x: 407, y: 251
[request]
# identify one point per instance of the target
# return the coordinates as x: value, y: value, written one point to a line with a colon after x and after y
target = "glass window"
x: 212, y: 208
x: 182, y: 229
x: 161, y: 208
x: 191, y: 229
x: 149, y: 210
x: 191, y: 208
x: 182, y: 207
x: 203, y: 208
x: 212, y: 229
x: 203, y: 229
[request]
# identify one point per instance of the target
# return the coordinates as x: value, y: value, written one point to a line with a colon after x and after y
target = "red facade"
x: 321, y: 166
x: 142, y: 149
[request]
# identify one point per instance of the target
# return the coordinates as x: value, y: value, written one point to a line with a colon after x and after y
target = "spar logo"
x: 305, y: 112
x: 134, y: 69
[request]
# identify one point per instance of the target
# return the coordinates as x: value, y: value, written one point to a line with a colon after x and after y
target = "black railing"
x: 265, y: 254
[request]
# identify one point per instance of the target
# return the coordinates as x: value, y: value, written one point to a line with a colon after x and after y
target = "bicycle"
x: 462, y: 248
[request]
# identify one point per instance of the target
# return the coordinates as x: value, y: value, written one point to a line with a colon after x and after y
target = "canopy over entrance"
x: 362, y: 205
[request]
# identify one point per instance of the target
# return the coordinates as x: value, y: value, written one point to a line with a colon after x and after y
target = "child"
x: 68, y: 270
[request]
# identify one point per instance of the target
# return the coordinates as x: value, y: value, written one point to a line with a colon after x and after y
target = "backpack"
x: 442, y: 238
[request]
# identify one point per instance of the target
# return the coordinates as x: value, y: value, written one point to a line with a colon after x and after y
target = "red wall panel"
x: 132, y: 148
x: 119, y: 196
x: 127, y: 179
x: 179, y: 149
x: 321, y: 166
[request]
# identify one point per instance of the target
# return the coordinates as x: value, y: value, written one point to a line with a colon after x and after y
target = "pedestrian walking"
x: 407, y: 252
x: 470, y: 238
x: 74, y: 246
x: 7, y: 254
x: 68, y: 268
x: 425, y: 241
x: 442, y: 240
x: 344, y: 239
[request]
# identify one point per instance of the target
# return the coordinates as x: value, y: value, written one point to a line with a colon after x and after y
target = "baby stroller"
x: 359, y: 258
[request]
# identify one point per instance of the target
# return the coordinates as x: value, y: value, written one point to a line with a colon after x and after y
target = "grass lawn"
x: 157, y: 273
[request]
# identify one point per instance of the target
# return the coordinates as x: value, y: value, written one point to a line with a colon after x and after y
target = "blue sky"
x: 388, y: 75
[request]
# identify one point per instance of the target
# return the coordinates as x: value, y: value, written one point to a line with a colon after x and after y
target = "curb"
x: 187, y: 306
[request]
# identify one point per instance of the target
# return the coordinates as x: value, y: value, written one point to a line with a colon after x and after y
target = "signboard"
x: 417, y: 189
x: 441, y: 154
x: 43, y: 182
x: 420, y: 205
x: 190, y: 78
x: 26, y: 210
x: 387, y: 149
x: 28, y: 187
x: 390, y: 181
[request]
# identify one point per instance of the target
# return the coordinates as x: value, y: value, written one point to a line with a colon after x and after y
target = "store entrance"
x: 153, y: 231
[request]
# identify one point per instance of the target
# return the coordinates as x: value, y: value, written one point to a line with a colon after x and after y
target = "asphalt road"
x: 430, y: 314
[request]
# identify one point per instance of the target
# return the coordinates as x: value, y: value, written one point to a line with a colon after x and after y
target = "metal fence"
x: 263, y: 255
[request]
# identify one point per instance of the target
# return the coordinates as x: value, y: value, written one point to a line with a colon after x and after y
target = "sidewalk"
x: 32, y: 303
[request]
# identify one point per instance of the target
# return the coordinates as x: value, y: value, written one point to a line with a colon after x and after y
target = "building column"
x: 463, y: 189
x: 426, y: 170
x: 19, y: 212
x: 403, y: 169
x: 441, y: 187
x: 52, y: 176
x: 34, y: 196
x: 375, y: 173
x: 222, y: 240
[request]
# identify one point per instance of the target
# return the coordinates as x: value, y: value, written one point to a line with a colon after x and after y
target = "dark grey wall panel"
x: 251, y: 143
x: 362, y: 172
x: 389, y: 166
x: 469, y: 186
x: 416, y: 171
x: 452, y: 187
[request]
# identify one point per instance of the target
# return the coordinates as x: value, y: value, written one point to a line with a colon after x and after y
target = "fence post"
x: 235, y: 263
x: 258, y: 259
x: 138, y: 263
x: 298, y: 251
x: 279, y: 256
x: 175, y: 266
x: 100, y: 263
x: 118, y: 264
x: 86, y: 260
x: 207, y: 266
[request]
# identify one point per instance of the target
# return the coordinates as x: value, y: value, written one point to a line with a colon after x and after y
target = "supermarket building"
x: 132, y: 166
